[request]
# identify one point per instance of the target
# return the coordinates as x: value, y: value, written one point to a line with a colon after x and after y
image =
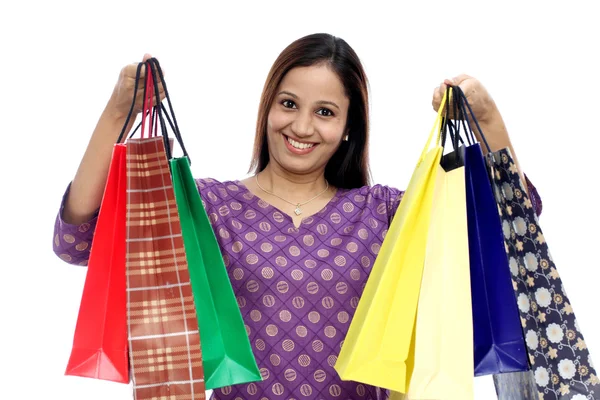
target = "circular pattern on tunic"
x: 285, y: 316
x: 288, y: 345
x: 267, y: 272
x: 250, y: 214
x: 365, y: 261
x: 327, y: 274
x: 269, y: 301
x: 317, y: 346
x: 343, y: 317
x: 341, y: 287
x: 223, y: 211
x: 320, y: 375
x: 82, y: 246
x: 306, y: 390
x: 352, y: 247
x: 252, y: 286
x: 323, y: 253
x: 275, y: 360
x: 251, y: 236
x: 297, y: 275
x: 304, y: 360
x: 237, y: 246
x: 282, y: 287
x: 301, y: 331
x: 255, y: 315
x: 294, y: 251
x: 277, y: 389
x: 281, y: 261
x: 312, y: 287
x: 314, y: 317
x: 308, y: 240
x: 69, y: 238
x: 322, y: 229
x: 335, y: 390
x: 266, y: 247
x: 327, y: 302
x: 330, y: 331
x: 277, y: 216
x: 84, y: 227
x: 290, y: 375
x: 272, y: 330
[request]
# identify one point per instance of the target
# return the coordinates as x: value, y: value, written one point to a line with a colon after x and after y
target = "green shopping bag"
x: 226, y: 352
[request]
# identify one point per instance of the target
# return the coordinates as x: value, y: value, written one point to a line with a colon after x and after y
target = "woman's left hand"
x: 483, y: 106
x: 485, y: 111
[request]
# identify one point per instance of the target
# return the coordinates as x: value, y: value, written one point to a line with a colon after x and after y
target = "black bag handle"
x: 155, y: 65
x: 159, y: 110
x: 464, y: 104
x: 138, y: 74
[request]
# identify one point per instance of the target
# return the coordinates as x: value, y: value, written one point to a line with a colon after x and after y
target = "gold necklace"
x: 298, y: 210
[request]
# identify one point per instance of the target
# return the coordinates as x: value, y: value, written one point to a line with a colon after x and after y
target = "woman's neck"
x: 294, y: 187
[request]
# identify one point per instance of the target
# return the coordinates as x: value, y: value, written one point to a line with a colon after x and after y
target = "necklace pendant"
x: 298, y: 211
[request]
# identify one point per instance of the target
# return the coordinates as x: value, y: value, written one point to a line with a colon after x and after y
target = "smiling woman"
x: 299, y: 238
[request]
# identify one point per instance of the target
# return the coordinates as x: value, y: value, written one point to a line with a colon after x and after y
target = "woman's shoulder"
x: 216, y: 191
x: 381, y: 199
x: 375, y: 192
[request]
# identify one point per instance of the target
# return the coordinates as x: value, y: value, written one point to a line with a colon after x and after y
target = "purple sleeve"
x: 72, y: 242
x: 534, y: 196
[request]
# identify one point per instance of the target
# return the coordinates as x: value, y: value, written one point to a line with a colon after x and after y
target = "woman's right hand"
x: 120, y: 101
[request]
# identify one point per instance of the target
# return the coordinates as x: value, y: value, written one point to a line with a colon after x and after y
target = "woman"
x: 300, y: 236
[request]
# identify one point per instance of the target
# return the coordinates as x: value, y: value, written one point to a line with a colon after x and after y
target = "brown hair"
x: 349, y: 165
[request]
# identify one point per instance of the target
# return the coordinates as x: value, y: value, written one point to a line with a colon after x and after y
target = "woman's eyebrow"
x: 321, y: 102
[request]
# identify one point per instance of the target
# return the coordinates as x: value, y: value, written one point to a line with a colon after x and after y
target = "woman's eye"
x: 325, y: 112
x: 288, y: 104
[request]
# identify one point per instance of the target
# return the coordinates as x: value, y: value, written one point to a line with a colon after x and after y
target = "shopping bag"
x: 561, y: 363
x: 164, y: 342
x: 499, y: 345
x: 443, y: 368
x: 377, y: 347
x: 226, y: 352
x: 100, y: 341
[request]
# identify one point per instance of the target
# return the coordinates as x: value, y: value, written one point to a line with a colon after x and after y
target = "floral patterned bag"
x: 561, y: 364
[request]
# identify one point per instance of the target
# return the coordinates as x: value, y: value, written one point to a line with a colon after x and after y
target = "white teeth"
x: 298, y: 145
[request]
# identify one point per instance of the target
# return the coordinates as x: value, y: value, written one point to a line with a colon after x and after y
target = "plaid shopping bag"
x: 164, y: 342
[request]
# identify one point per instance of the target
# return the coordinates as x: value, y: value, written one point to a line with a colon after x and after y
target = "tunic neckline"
x: 305, y: 220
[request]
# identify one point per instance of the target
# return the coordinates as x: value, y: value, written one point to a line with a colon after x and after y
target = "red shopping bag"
x: 100, y: 341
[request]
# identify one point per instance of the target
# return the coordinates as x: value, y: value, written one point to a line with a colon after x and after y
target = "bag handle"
x: 138, y: 75
x: 464, y: 104
x: 157, y: 111
x: 156, y: 69
x: 436, y: 128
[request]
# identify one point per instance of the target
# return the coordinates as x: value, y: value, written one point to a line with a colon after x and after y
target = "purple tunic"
x: 297, y: 288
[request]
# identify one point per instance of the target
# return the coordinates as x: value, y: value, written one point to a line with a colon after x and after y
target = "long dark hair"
x: 349, y: 165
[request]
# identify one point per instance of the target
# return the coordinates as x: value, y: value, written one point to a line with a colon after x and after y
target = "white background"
x: 60, y: 60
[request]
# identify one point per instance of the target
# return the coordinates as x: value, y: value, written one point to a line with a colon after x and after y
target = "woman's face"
x: 306, y: 121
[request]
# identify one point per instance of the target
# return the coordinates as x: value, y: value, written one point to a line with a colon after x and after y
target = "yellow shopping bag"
x: 443, y: 354
x: 377, y: 348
